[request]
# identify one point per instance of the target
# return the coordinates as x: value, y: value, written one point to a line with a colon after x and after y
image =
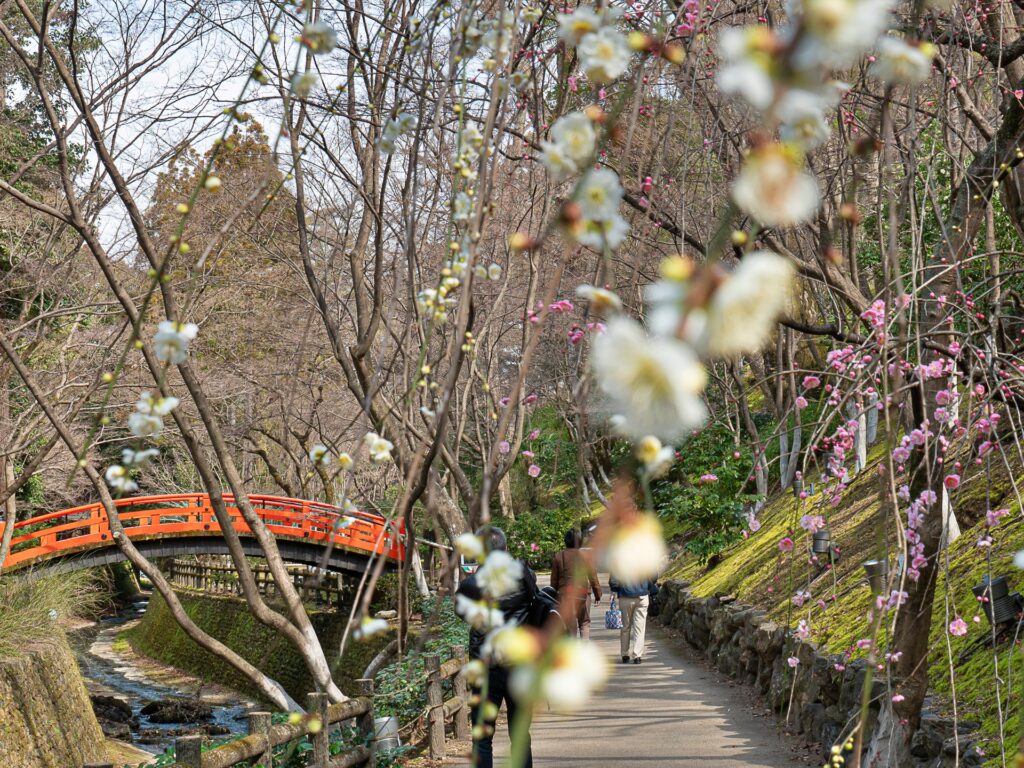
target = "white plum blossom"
x: 745, y: 67
x: 599, y: 195
x: 472, y: 136
x: 901, y: 63
x: 573, y: 26
x: 656, y: 458
x: 130, y: 457
x: 379, y: 448
x: 145, y: 424
x: 404, y: 123
x: 636, y: 550
x: 803, y: 118
x: 370, y: 628
x: 742, y: 312
x: 478, y: 614
x: 556, y: 160
x: 160, y: 406
x: 499, y: 33
x: 303, y: 83
x: 493, y: 272
x: 500, y: 574
x: 610, y: 233
x: 774, y: 188
x: 575, y: 135
x: 838, y: 32
x: 170, y: 344
x: 604, y: 55
x: 601, y: 300
x: 475, y: 672
x: 511, y: 645
x: 577, y: 669
x: 469, y: 545
x: 319, y: 37
x: 531, y: 14
x: 462, y: 207
x: 118, y: 478
x: 147, y: 419
x: 320, y: 455
x: 654, y: 383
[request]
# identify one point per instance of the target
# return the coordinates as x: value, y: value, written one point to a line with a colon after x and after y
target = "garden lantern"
x: 878, y: 573
x: 1000, y: 606
x: 821, y: 542
x: 822, y: 550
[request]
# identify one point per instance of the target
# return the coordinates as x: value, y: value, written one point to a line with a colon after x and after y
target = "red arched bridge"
x: 161, y: 526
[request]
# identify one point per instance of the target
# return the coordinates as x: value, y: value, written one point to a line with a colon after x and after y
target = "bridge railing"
x: 86, y: 526
x: 322, y: 587
x: 258, y: 747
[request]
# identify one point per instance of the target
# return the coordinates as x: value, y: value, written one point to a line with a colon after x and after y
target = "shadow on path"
x: 668, y: 712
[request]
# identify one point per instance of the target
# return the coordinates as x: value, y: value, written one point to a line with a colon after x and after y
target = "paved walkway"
x: 669, y: 712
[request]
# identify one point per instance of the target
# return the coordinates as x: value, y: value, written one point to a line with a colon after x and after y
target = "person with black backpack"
x: 523, y: 604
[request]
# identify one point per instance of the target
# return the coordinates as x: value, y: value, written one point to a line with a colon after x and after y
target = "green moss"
x: 230, y: 621
x: 758, y: 573
x: 45, y: 717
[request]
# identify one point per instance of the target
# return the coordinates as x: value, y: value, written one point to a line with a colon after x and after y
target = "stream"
x: 109, y: 673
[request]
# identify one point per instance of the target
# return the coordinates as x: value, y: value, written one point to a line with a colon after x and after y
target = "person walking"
x: 515, y: 607
x: 571, y: 573
x: 634, y: 600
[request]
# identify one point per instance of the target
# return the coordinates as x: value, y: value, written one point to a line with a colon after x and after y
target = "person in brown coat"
x: 572, y: 569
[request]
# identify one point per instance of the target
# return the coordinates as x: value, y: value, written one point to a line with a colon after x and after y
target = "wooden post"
x: 316, y: 706
x: 435, y: 705
x: 461, y: 718
x: 259, y: 724
x: 188, y: 752
x: 365, y: 722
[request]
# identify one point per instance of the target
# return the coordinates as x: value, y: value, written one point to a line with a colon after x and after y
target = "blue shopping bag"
x: 613, y: 616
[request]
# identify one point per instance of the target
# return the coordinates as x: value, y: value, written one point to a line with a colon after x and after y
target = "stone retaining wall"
x: 46, y: 720
x: 229, y: 619
x: 821, y: 695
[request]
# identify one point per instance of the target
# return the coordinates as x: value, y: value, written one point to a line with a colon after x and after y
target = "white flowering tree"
x: 650, y: 215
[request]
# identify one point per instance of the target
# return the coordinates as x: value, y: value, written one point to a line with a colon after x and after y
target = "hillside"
x: 986, y: 677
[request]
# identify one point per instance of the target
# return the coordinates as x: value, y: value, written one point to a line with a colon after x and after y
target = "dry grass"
x: 30, y: 608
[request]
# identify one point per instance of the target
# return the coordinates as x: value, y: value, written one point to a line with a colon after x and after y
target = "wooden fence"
x: 439, y: 710
x: 258, y: 746
x: 324, y: 588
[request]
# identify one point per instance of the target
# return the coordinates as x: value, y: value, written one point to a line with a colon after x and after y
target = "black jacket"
x: 515, y: 605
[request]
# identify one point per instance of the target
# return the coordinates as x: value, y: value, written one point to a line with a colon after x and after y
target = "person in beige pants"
x: 634, y: 600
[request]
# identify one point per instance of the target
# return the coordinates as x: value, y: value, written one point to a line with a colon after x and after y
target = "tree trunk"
x: 898, y: 721
x: 10, y: 507
x: 422, y: 587
x: 505, y: 498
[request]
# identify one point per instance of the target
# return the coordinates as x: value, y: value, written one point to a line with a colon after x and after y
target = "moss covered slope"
x: 984, y: 675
